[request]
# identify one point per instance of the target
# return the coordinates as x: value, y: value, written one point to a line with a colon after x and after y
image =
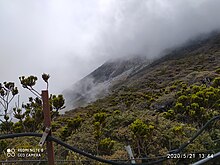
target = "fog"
x: 70, y: 38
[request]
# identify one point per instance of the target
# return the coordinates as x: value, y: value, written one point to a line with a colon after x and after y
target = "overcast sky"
x: 70, y: 38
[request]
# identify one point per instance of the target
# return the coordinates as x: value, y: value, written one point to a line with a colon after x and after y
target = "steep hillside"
x: 97, y: 84
x: 156, y: 109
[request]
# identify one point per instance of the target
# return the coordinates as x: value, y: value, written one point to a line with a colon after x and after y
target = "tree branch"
x: 36, y: 91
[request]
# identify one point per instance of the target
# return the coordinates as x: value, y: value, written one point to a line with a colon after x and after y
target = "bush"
x: 178, y: 130
x: 139, y: 128
x: 183, y: 99
x: 169, y: 114
x: 17, y: 127
x: 179, y: 107
x: 196, y: 99
x: 72, y: 125
x: 192, y: 103
x: 216, y: 82
x: 106, y: 145
x: 100, y: 117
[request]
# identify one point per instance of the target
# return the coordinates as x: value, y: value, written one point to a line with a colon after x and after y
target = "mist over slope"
x: 97, y: 84
x: 120, y: 72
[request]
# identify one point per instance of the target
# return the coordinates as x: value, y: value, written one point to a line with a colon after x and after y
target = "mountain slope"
x: 156, y: 109
x: 96, y: 84
x: 196, y: 55
x: 111, y: 74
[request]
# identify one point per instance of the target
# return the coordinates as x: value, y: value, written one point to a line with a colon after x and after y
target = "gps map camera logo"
x: 10, y: 152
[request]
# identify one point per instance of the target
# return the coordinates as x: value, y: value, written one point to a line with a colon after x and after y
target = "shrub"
x: 178, y: 130
x: 139, y: 128
x: 74, y: 123
x: 169, y: 114
x: 140, y: 132
x: 17, y: 127
x: 106, y: 145
x: 179, y: 107
x: 100, y: 117
x: 216, y: 82
x: 196, y: 99
x: 183, y: 99
x: 195, y: 106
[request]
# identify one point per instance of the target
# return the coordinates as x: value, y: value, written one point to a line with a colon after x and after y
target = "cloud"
x: 70, y: 38
x: 147, y: 27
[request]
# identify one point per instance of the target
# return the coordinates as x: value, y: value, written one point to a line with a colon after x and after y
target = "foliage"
x: 99, y: 123
x: 29, y: 115
x: 196, y: 104
x: 8, y: 91
x: 216, y: 82
x: 105, y: 146
x: 72, y: 125
x: 28, y: 82
x: 57, y: 103
x: 141, y: 131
